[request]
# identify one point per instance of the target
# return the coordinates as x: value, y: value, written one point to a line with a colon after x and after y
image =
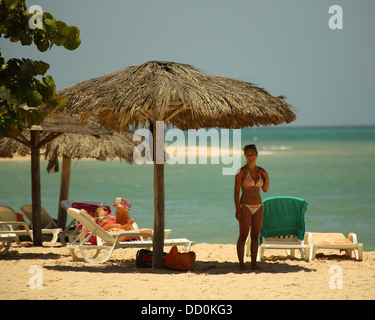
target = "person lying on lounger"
x: 122, y: 222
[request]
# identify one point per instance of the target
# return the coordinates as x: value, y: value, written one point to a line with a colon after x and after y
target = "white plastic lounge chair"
x: 69, y: 233
x: 8, y: 221
x: 318, y: 240
x: 109, y: 242
x: 283, y: 226
x: 6, y: 240
x: 47, y: 221
x: 72, y: 234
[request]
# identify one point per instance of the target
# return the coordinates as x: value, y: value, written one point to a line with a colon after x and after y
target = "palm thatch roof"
x: 107, y: 147
x: 64, y: 137
x: 77, y: 146
x: 177, y: 93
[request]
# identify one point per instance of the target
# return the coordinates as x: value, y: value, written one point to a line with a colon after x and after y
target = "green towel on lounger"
x: 283, y: 216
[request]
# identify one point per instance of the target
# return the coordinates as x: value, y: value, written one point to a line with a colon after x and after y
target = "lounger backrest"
x: 91, y: 225
x: 46, y: 219
x: 7, y: 214
x: 284, y: 216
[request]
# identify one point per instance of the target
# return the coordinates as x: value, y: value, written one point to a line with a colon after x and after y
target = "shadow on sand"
x: 202, y: 267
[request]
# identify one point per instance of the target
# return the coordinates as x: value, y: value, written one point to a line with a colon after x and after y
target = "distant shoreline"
x: 16, y: 158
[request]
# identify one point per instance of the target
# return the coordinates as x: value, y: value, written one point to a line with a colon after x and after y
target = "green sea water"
x: 332, y: 168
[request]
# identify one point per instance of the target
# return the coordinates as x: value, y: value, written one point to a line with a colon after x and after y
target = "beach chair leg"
x: 360, y: 253
x: 55, y: 237
x: 307, y: 251
x: 248, y: 245
x: 108, y: 250
x: 62, y: 239
x: 312, y: 252
x: 6, y: 244
x: 290, y: 253
x: 301, y: 251
x: 187, y: 247
x: 75, y: 257
x: 356, y: 255
x: 348, y: 253
x: 260, y: 253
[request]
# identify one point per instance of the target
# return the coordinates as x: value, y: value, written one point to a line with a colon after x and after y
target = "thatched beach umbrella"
x: 81, y: 146
x: 179, y: 95
x: 65, y: 138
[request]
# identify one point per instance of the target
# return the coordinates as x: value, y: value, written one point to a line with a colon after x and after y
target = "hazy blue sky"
x: 285, y: 46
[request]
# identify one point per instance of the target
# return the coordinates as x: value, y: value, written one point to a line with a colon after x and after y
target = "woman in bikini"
x: 249, y: 208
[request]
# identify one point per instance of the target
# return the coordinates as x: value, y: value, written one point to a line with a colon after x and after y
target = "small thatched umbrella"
x: 79, y: 146
x: 179, y: 95
x: 74, y: 142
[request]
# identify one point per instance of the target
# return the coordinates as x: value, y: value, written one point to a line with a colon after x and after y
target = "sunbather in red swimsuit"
x: 122, y: 222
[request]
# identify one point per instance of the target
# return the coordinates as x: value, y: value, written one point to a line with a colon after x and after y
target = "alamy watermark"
x: 335, y: 22
x: 336, y: 281
x: 36, y: 20
x: 36, y: 280
x: 184, y: 148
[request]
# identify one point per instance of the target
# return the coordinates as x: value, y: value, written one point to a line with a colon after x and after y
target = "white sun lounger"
x: 318, y: 240
x: 8, y: 220
x: 27, y: 232
x: 6, y: 240
x: 72, y: 234
x: 109, y: 242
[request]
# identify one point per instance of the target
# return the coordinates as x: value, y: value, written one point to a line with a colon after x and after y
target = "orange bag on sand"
x: 180, y: 261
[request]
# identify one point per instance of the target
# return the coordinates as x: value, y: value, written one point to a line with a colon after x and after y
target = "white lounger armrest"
x: 131, y: 233
x: 8, y: 224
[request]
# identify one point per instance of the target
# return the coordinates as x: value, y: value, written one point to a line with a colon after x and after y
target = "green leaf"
x: 12, y: 4
x: 72, y: 45
x: 62, y: 28
x: 41, y: 67
x: 34, y: 98
x: 47, y: 15
x: 26, y: 40
x: 62, y: 101
x: 48, y: 81
x: 50, y: 25
x: 73, y: 33
x: 42, y: 45
x: 52, y: 103
x: 59, y: 40
x: 35, y: 116
x: 14, y: 38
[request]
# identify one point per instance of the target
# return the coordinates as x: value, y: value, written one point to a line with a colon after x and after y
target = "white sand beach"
x: 217, y: 276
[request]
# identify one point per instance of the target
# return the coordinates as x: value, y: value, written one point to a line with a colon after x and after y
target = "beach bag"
x: 180, y: 261
x: 144, y: 258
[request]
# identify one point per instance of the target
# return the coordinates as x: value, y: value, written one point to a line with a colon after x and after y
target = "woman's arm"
x: 266, y: 179
x: 85, y: 212
x: 237, y: 189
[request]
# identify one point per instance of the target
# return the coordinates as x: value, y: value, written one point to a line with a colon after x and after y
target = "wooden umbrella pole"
x: 64, y: 191
x: 159, y: 198
x: 35, y: 189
